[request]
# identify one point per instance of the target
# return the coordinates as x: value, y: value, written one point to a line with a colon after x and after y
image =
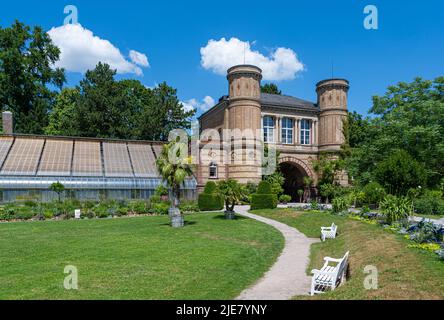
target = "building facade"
x: 300, y: 130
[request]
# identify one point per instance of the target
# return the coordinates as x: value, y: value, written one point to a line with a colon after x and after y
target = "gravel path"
x: 287, y: 277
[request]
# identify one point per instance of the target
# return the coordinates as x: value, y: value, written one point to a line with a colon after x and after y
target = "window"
x: 305, y: 131
x: 287, y: 131
x: 268, y: 125
x: 213, y: 170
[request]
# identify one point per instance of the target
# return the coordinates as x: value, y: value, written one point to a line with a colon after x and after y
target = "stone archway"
x: 294, y: 170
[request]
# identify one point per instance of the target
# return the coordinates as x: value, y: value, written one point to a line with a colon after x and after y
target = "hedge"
x: 263, y: 201
x: 210, y: 202
x: 264, y: 198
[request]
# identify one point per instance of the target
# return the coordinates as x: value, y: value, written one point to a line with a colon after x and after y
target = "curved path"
x: 287, y: 277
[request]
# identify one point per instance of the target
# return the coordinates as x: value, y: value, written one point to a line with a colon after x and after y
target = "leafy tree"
x: 270, y: 88
x: 276, y: 181
x: 61, y: 118
x: 232, y: 192
x: 58, y: 188
x: 174, y: 165
x: 27, y: 76
x: 408, y: 117
x: 400, y: 172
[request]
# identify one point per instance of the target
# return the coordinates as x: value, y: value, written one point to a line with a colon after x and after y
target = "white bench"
x: 330, y: 276
x: 329, y: 232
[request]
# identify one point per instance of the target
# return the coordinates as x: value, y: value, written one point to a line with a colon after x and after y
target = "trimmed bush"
x: 209, y: 199
x: 264, y: 198
x: 284, y: 198
x: 210, y: 202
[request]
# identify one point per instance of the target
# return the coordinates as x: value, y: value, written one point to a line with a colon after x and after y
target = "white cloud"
x: 139, y: 58
x: 220, y: 55
x: 81, y: 50
x: 203, y: 105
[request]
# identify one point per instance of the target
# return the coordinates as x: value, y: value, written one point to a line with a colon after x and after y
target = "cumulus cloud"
x: 219, y: 55
x: 203, y: 105
x: 139, y: 58
x: 81, y: 50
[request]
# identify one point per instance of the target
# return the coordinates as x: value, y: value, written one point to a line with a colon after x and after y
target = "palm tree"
x: 232, y: 192
x: 174, y: 165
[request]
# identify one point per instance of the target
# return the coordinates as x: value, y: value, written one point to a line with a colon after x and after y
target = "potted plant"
x: 232, y: 192
x: 174, y: 165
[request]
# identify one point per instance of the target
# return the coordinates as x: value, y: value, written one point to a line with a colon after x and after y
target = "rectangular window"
x: 213, y: 171
x: 287, y: 131
x: 305, y: 131
x: 268, y: 127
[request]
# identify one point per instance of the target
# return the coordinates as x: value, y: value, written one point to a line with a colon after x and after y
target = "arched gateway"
x: 294, y: 170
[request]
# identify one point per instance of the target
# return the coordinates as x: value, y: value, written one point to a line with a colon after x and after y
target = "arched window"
x: 305, y: 131
x: 287, y: 131
x: 213, y: 170
x: 268, y: 126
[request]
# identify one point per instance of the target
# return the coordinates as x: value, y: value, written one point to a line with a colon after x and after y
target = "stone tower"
x: 332, y: 101
x: 244, y: 113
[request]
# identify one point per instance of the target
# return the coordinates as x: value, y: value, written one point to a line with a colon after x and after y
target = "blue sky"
x: 408, y: 43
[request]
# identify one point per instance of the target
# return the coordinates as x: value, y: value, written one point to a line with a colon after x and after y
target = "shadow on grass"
x: 186, y: 223
x: 222, y: 217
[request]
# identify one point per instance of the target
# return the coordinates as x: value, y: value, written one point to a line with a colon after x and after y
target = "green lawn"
x: 404, y: 273
x: 136, y: 258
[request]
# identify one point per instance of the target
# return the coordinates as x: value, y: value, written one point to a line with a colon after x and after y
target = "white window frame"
x: 216, y: 172
x: 287, y: 131
x: 305, y: 131
x: 268, y: 129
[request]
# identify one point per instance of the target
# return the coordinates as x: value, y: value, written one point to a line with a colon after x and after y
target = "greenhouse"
x: 90, y: 169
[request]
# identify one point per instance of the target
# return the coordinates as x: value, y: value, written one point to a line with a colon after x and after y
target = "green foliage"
x: 395, y: 208
x: 263, y: 201
x: 264, y: 198
x: 400, y: 172
x: 27, y: 76
x: 408, y: 117
x: 264, y: 187
x: 58, y: 188
x: 276, y: 181
x: 314, y: 205
x: 161, y: 208
x: 189, y: 206
x: 373, y: 193
x: 155, y: 199
x: 161, y: 190
x: 327, y: 169
x: 61, y: 118
x: 429, y: 204
x: 231, y: 191
x: 210, y: 187
x: 285, y: 198
x: 210, y: 199
x: 270, y: 88
x: 340, y: 204
x: 210, y: 202
x: 139, y: 206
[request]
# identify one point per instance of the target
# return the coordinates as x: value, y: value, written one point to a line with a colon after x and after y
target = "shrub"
x: 264, y: 187
x: 284, y: 198
x: 161, y: 190
x: 210, y: 200
x: 374, y: 193
x: 340, y: 204
x: 155, y: 199
x: 138, y: 207
x: 429, y: 204
x: 189, y: 206
x: 263, y: 201
x: 161, y: 208
x: 314, y: 205
x: 395, y: 209
x: 264, y: 198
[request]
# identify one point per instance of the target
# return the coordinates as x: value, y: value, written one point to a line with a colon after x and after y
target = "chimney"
x: 7, y: 121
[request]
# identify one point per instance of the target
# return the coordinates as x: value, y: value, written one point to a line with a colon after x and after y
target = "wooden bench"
x: 329, y: 232
x: 330, y: 276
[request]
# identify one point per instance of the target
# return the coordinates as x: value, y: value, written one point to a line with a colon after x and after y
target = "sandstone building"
x: 300, y: 130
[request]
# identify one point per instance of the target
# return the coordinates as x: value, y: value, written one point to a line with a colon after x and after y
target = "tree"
x: 58, y: 188
x: 27, y: 76
x: 232, y: 192
x: 64, y: 110
x: 270, y: 88
x: 276, y: 181
x: 408, y: 117
x: 400, y: 172
x: 174, y: 166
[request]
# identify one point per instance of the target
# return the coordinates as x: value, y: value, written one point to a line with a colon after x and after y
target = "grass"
x: 403, y: 273
x: 136, y: 258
